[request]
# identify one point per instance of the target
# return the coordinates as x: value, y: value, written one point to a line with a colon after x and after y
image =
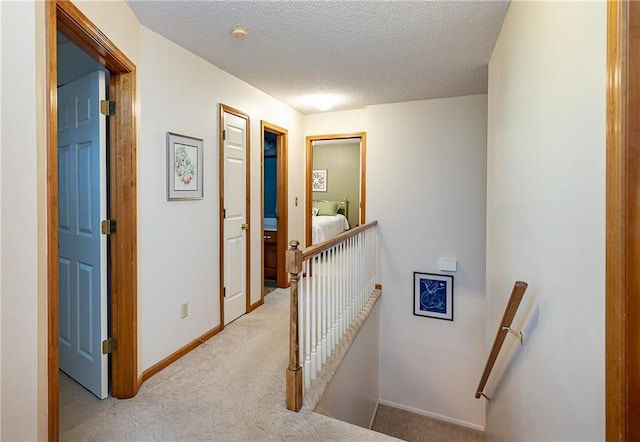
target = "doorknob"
x: 245, y: 227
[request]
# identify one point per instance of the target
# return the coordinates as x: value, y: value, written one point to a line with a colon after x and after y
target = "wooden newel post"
x: 294, y: 372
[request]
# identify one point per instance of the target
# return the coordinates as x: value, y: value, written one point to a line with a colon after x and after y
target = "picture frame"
x: 184, y: 167
x: 433, y: 295
x: 319, y: 180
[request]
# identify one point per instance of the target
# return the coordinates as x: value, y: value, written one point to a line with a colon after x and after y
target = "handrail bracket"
x: 518, y: 334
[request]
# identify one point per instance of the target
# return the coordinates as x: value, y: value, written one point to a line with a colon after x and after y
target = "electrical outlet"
x: 184, y: 310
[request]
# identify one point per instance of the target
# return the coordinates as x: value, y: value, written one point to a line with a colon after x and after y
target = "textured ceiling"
x: 363, y: 52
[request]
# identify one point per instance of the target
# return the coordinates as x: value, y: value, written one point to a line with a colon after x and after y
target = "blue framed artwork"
x: 433, y: 295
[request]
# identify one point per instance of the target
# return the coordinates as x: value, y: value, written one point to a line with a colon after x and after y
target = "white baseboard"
x: 440, y: 417
x: 373, y: 417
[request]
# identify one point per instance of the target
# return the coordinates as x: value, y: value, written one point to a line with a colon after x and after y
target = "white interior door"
x: 235, y: 217
x: 82, y: 248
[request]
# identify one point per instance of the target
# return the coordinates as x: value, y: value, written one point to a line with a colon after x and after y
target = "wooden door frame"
x: 283, y: 198
x: 63, y: 16
x: 622, y: 218
x: 309, y: 168
x: 222, y: 109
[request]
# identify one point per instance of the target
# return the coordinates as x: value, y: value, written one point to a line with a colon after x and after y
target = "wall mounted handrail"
x: 505, y: 327
x: 330, y: 283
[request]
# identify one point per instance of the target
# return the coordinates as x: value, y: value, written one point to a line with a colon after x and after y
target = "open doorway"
x: 64, y: 17
x: 335, y: 192
x: 83, y: 295
x: 275, y: 229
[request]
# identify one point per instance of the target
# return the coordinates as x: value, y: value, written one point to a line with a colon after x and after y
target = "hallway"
x: 230, y: 388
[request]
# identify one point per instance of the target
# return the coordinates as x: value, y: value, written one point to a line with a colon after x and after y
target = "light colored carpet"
x: 414, y: 427
x: 231, y: 388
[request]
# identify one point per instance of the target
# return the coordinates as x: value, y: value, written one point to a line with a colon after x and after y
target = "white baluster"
x: 307, y: 327
x: 314, y: 324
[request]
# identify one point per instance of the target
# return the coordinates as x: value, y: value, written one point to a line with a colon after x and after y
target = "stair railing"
x: 330, y: 283
x: 505, y: 327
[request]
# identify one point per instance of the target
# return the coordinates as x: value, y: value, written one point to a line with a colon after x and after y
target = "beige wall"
x: 352, y: 395
x: 164, y: 103
x: 428, y: 195
x: 190, y: 229
x: 546, y: 219
x: 22, y: 354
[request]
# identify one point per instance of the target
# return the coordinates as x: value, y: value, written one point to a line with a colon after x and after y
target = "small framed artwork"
x: 433, y: 295
x: 319, y: 180
x: 184, y: 167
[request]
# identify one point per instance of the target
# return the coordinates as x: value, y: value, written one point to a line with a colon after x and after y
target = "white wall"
x: 20, y: 86
x: 188, y: 106
x: 546, y: 218
x: 426, y: 179
x: 181, y: 93
x: 352, y: 396
x: 178, y: 241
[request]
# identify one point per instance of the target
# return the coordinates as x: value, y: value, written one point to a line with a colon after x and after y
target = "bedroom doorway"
x: 275, y: 194
x: 64, y: 17
x: 336, y: 182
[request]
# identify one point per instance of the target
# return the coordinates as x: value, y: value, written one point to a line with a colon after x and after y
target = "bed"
x: 329, y: 219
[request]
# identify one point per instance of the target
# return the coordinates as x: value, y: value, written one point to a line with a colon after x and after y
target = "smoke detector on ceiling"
x: 240, y: 32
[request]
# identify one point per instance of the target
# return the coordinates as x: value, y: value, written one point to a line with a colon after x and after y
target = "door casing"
x: 622, y: 311
x: 63, y: 16
x: 309, y: 167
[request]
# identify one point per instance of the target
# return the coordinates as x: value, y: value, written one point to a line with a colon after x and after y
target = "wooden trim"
x: 262, y: 128
x: 363, y: 177
x: 221, y: 208
x: 52, y: 224
x: 65, y: 17
x: 309, y: 168
x: 81, y: 31
x: 124, y: 244
x: 224, y: 108
x: 173, y: 357
x: 617, y: 222
x: 294, y: 371
x: 255, y: 305
x: 283, y: 198
x: 509, y: 313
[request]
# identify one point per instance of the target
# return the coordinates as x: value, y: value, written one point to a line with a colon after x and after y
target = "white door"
x: 235, y: 224
x: 82, y: 248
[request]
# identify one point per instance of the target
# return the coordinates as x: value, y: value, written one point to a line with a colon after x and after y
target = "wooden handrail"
x: 505, y: 325
x: 316, y: 249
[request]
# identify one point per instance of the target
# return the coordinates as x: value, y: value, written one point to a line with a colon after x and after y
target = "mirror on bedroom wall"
x: 335, y: 177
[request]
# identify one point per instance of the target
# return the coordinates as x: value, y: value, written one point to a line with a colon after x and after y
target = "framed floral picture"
x: 319, y: 180
x: 184, y: 167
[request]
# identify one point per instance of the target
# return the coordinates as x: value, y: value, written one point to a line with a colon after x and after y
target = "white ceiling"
x: 363, y: 52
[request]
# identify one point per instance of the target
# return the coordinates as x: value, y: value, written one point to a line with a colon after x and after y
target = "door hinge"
x: 108, y: 226
x: 224, y: 292
x: 109, y: 345
x: 107, y: 107
x: 224, y: 135
x: 224, y: 213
